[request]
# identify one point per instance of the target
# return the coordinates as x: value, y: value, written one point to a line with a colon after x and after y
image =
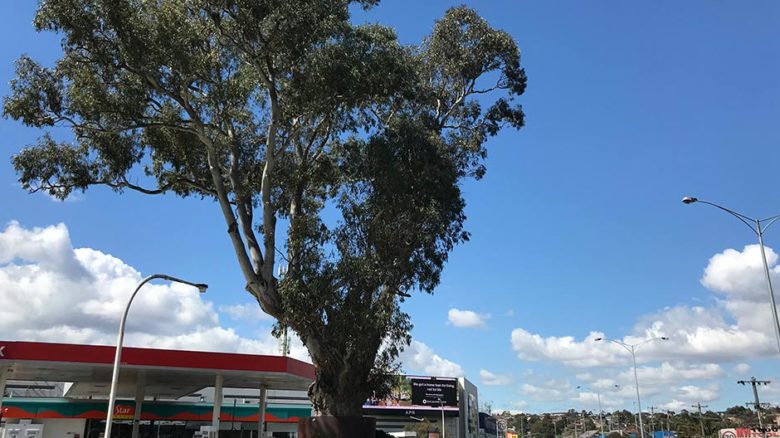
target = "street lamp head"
x: 664, y: 338
x: 689, y: 200
x: 202, y: 287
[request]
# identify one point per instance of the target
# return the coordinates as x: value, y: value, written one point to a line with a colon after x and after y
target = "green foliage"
x: 423, y: 427
x: 281, y: 109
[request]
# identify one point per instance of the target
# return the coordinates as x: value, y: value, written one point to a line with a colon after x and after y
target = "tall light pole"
x: 758, y: 227
x: 631, y: 348
x: 120, y: 338
x: 601, y: 418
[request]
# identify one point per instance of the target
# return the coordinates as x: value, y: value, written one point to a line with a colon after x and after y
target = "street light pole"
x: 631, y: 348
x: 121, y: 336
x: 601, y: 418
x: 758, y: 227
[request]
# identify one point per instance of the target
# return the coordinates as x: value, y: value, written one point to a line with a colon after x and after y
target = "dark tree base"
x: 336, y: 427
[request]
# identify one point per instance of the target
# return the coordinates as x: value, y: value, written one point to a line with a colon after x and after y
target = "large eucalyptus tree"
x: 283, y: 110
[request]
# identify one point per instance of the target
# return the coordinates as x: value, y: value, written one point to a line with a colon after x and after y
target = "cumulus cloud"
x: 693, y: 393
x: 564, y: 349
x: 420, y: 358
x: 492, y: 379
x: 742, y: 368
x: 552, y: 390
x: 685, y: 397
x: 466, y: 318
x: 248, y: 312
x: 737, y: 327
x: 668, y: 372
x: 589, y: 399
x: 53, y: 292
x: 517, y: 407
x: 676, y: 405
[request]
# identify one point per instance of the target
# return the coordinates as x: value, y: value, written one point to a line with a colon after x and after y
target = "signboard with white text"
x: 416, y: 395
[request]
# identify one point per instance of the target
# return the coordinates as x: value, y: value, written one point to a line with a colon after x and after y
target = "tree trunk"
x: 340, y: 406
x: 342, y: 400
x: 337, y: 427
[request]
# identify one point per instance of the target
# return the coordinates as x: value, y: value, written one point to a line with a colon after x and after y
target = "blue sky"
x: 578, y: 225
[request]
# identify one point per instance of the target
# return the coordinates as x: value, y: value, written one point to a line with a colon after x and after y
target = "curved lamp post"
x: 601, y: 417
x: 120, y: 338
x: 758, y: 227
x: 631, y: 348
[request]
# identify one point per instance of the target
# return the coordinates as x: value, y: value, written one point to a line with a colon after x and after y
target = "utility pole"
x: 701, y: 419
x: 755, y: 384
x: 669, y: 422
x: 521, y: 424
x: 652, y: 421
x: 575, y: 427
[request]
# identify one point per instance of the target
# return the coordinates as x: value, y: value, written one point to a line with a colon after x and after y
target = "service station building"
x: 52, y: 390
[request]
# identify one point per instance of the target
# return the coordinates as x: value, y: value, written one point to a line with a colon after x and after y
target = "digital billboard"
x: 418, y: 393
x: 432, y: 391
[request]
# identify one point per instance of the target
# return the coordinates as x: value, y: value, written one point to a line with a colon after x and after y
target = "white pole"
x: 120, y: 338
x: 263, y: 401
x: 638, y: 400
x: 441, y: 404
x: 601, y: 417
x: 140, y: 391
x: 217, y: 406
x: 769, y: 283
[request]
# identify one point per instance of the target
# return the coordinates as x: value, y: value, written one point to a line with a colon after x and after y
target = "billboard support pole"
x: 441, y: 404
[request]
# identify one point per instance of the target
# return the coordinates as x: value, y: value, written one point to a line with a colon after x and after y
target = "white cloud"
x: 695, y: 394
x: 676, y: 405
x: 517, y: 407
x: 737, y: 327
x: 668, y: 372
x: 53, y: 292
x: 492, y: 379
x: 740, y: 273
x: 685, y: 397
x: 552, y: 390
x: 565, y: 349
x: 742, y: 368
x: 249, y: 312
x: 466, y: 318
x: 420, y: 358
x: 668, y: 379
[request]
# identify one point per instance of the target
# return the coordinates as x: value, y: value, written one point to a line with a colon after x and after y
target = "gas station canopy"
x: 166, y: 374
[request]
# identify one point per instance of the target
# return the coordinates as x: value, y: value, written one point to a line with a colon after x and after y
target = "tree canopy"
x: 283, y: 110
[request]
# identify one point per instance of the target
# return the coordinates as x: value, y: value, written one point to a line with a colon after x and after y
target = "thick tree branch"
x: 452, y: 108
x: 123, y: 183
x: 269, y: 216
x: 256, y: 285
x: 244, y: 205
